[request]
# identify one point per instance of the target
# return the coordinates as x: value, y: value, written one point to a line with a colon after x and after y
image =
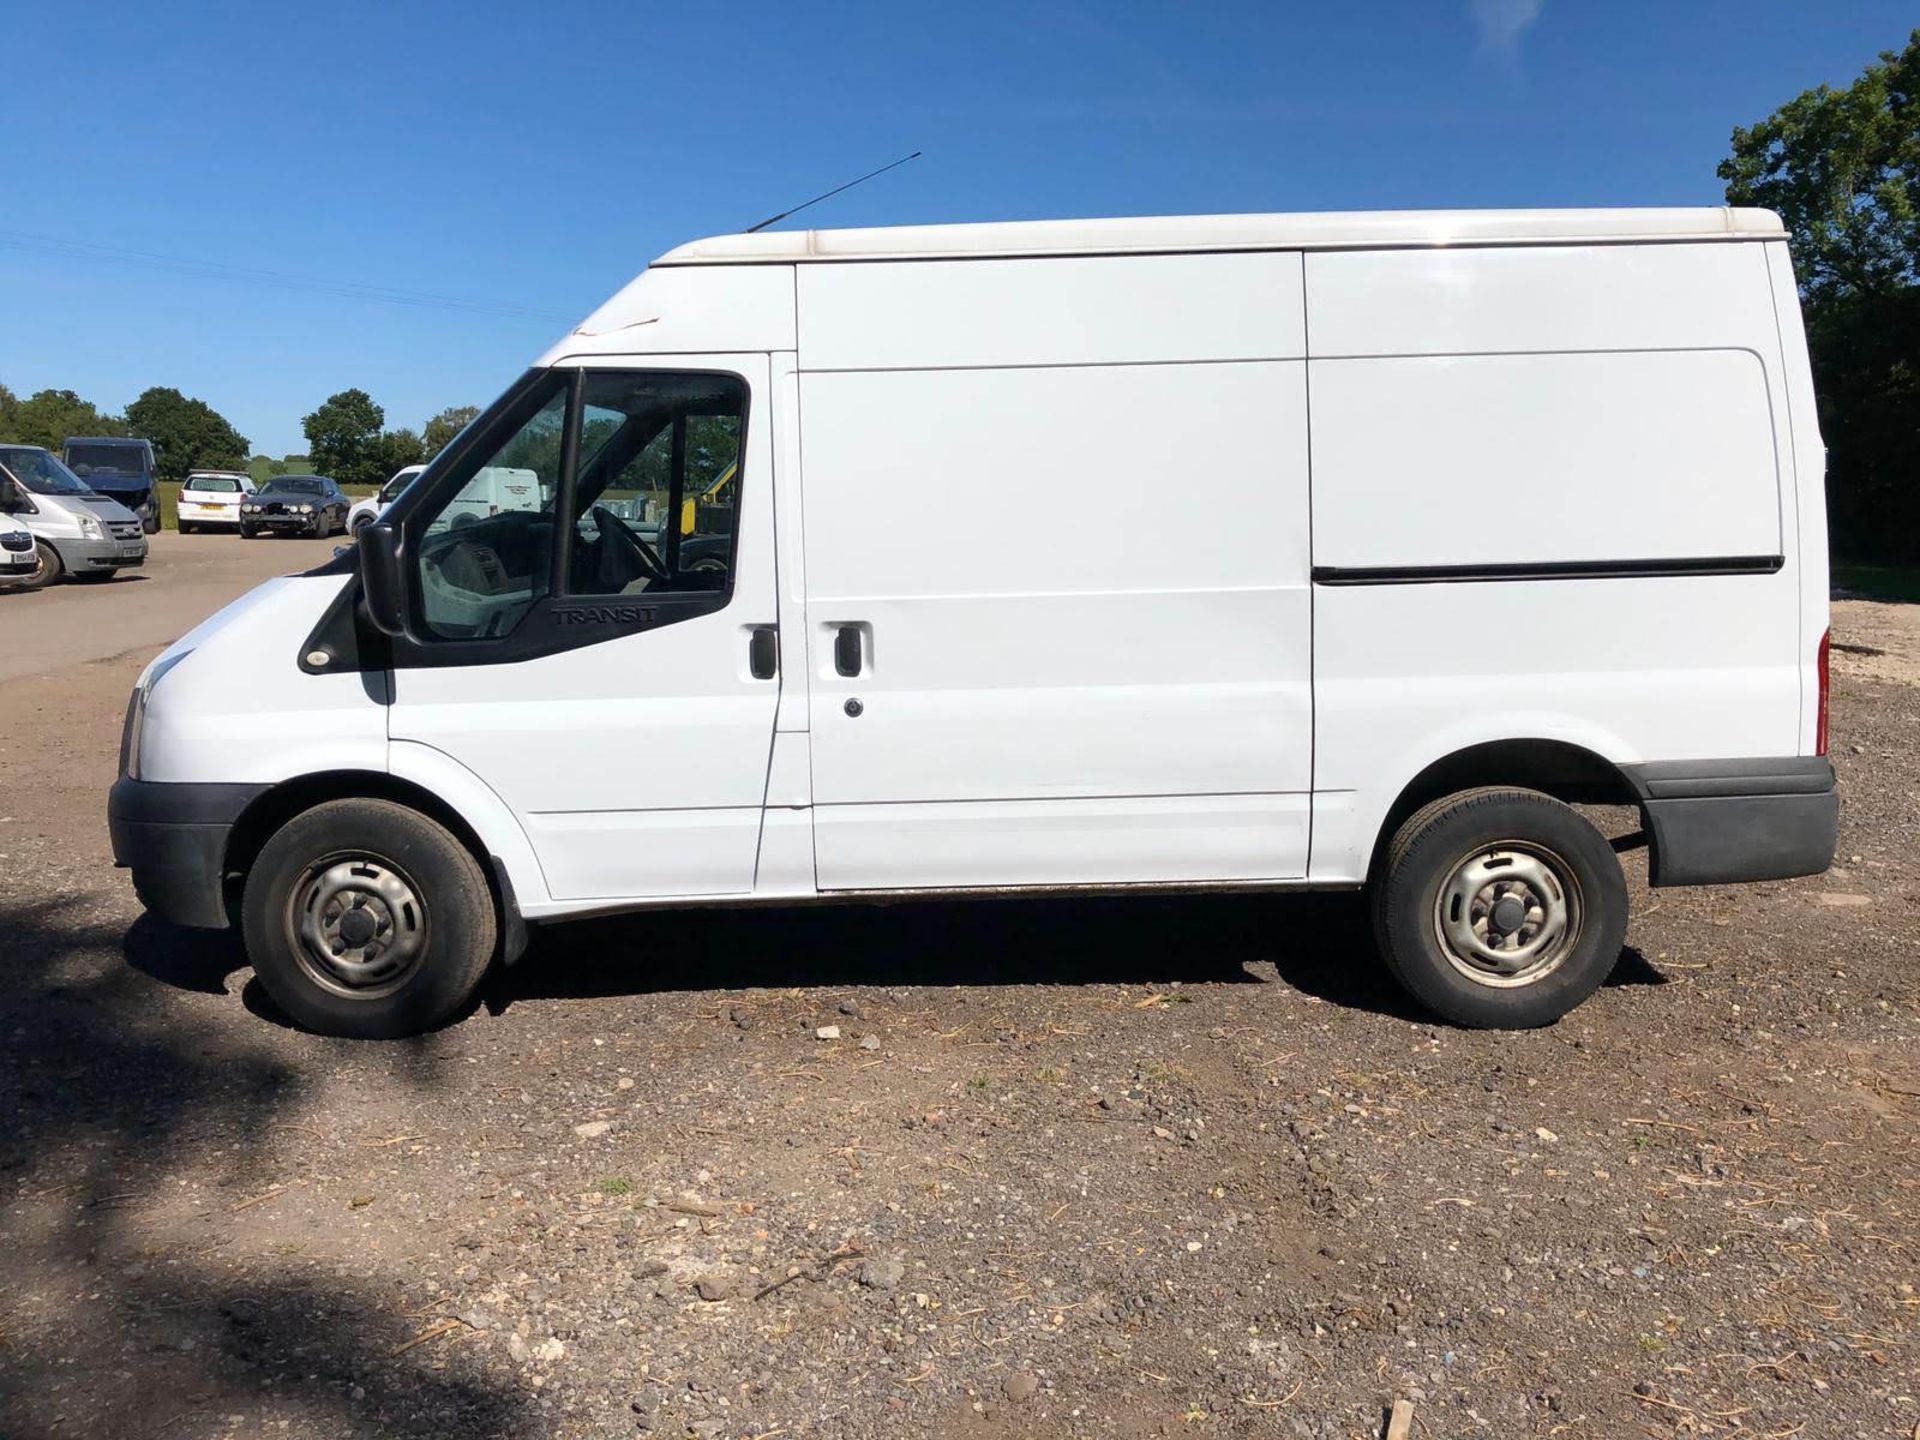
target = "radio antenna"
x: 773, y: 219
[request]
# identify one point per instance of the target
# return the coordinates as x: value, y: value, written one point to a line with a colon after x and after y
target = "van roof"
x: 1332, y: 230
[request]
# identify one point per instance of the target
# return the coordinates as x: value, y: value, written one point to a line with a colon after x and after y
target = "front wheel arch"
x: 274, y: 808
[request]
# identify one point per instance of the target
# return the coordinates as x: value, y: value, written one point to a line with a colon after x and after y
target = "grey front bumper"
x: 174, y: 839
x: 1717, y: 822
x: 80, y: 556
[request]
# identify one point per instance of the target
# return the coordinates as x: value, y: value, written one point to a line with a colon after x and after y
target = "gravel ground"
x: 1141, y: 1167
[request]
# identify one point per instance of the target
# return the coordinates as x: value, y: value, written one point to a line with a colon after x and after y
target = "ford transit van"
x: 119, y: 468
x: 1510, y: 513
x: 76, y: 530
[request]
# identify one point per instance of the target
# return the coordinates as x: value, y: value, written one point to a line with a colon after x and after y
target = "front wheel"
x: 1500, y: 908
x: 366, y: 919
x: 247, y: 532
x: 47, y: 568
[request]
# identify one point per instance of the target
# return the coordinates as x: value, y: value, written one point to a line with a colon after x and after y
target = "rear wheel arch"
x: 1567, y: 772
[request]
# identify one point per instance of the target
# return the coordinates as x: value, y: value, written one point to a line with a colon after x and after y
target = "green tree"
x: 343, y: 438
x: 48, y: 417
x: 1842, y: 169
x: 444, y: 426
x: 9, y: 413
x: 187, y: 434
x: 397, y: 448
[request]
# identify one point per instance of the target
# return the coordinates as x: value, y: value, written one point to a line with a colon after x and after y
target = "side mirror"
x: 383, y: 581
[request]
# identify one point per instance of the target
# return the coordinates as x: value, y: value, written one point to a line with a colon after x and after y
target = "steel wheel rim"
x: 1508, y: 914
x: 357, y: 925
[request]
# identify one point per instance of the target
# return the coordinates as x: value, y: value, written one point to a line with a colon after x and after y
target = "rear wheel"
x: 364, y: 918
x: 187, y: 527
x: 1500, y: 908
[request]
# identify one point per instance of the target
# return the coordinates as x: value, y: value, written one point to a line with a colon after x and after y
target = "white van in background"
x: 76, y: 531
x: 1509, y: 512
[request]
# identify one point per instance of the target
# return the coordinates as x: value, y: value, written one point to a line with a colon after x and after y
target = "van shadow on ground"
x: 1320, y: 944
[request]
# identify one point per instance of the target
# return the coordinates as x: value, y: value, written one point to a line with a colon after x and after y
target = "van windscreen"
x: 126, y: 459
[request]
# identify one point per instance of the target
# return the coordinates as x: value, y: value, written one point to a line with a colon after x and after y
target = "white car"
x: 1508, y: 513
x: 365, y: 512
x: 210, y: 500
x: 17, y: 557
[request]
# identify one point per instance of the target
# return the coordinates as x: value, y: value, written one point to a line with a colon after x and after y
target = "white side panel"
x: 1490, y: 459
x: 1101, y: 310
x: 1572, y: 297
x: 1689, y: 668
x: 615, y: 854
x: 1072, y: 583
x: 1080, y: 842
x: 1571, y: 404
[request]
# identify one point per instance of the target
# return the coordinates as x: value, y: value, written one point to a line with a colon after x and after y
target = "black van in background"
x: 118, y: 468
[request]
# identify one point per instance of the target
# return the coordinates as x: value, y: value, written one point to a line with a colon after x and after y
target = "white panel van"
x: 864, y: 564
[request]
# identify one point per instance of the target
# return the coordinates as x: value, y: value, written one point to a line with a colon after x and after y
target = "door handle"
x: 846, y: 650
x: 763, y: 652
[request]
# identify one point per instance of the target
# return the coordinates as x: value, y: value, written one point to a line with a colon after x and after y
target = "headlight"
x: 306, y: 509
x: 132, y: 732
x: 91, y: 527
x: 251, y: 509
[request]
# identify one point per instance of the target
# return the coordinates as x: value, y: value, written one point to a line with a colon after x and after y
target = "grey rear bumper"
x: 1715, y: 822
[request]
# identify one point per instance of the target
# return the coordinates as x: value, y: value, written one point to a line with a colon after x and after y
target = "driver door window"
x: 632, y: 476
x: 658, y: 458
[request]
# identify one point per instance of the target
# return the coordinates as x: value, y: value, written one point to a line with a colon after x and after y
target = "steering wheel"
x: 611, y: 524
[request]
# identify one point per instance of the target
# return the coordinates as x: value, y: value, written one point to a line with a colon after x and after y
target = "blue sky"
x: 535, y: 157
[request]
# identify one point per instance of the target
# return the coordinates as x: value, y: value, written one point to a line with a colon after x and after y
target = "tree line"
x: 1842, y: 168
x: 346, y: 435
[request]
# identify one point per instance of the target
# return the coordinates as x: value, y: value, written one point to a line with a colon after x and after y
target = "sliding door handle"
x: 763, y: 652
x: 846, y: 650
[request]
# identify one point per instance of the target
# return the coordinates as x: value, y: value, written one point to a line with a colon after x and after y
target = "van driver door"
x: 592, y: 640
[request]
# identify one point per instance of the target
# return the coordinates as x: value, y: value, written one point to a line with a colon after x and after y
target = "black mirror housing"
x: 383, y: 587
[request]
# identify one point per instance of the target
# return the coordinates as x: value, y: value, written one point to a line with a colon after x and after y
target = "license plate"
x: 131, y: 552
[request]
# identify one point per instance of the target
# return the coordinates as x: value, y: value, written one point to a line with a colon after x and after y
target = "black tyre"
x: 366, y: 919
x: 357, y: 524
x: 1500, y: 908
x: 46, y: 570
x: 247, y: 532
x: 186, y: 527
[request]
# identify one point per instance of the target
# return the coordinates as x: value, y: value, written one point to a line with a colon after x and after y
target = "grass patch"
x: 1897, y: 583
x: 614, y: 1185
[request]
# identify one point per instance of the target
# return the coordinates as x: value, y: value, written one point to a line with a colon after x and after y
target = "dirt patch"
x: 1876, y: 641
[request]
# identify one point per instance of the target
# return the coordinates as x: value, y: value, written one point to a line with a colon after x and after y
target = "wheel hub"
x: 361, y: 928
x: 1507, y: 915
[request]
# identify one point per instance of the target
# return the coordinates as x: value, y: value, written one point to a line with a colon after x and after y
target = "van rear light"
x: 1826, y: 694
